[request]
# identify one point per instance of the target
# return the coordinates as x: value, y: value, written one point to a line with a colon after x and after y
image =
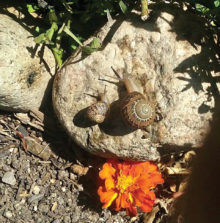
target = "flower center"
x: 124, y: 182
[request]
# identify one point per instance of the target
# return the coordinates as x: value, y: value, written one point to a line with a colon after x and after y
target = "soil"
x: 60, y: 189
x: 45, y: 177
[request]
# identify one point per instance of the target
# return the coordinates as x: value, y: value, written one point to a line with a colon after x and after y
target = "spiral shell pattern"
x: 137, y: 111
x: 97, y: 112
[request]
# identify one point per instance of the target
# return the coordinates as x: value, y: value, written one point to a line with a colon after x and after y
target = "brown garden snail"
x: 136, y: 110
x: 98, y: 111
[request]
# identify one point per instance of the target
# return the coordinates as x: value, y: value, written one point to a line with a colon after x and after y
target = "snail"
x: 98, y: 111
x: 136, y: 110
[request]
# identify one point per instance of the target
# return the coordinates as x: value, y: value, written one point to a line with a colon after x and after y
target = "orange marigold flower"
x: 128, y: 185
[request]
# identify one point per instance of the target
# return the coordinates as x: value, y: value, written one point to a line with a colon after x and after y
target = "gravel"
x: 35, y: 191
x: 58, y: 190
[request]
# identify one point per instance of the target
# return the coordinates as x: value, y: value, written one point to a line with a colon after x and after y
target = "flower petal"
x: 141, y: 168
x: 109, y: 183
x: 152, y: 167
x: 106, y: 197
x: 107, y: 171
x: 106, y: 205
x: 118, y: 203
x: 122, y: 201
x: 157, y: 179
x: 131, y: 211
x: 144, y: 200
x: 127, y: 185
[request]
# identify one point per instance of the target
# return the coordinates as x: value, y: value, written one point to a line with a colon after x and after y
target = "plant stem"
x: 144, y: 8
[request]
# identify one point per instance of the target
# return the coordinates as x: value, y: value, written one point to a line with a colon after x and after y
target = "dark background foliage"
x: 64, y: 24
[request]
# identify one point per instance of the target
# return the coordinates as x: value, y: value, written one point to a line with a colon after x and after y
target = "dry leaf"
x: 80, y: 170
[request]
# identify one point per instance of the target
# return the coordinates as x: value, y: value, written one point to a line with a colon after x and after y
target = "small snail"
x: 136, y: 110
x: 98, y: 111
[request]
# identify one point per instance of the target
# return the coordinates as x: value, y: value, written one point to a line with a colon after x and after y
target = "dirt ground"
x: 55, y: 190
x: 45, y: 177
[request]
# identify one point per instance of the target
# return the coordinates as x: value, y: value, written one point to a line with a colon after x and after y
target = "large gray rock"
x: 25, y: 75
x: 166, y: 59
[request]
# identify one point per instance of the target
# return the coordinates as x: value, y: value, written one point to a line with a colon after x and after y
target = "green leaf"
x: 94, y: 46
x: 31, y: 8
x: 40, y: 39
x: 45, y: 37
x: 88, y: 49
x: 202, y: 8
x: 49, y: 34
x: 96, y: 43
x: 123, y: 7
x: 58, y: 54
x: 212, y: 23
x: 52, y: 16
x: 68, y: 32
x: 54, y: 26
x: 73, y: 47
x: 37, y: 29
x: 217, y: 3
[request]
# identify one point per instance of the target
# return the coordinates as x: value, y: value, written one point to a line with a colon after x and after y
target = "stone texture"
x: 36, y: 190
x: 8, y: 214
x: 168, y: 62
x: 9, y: 178
x: 25, y: 74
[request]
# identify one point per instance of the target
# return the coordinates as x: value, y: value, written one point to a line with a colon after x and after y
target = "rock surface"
x: 9, y: 178
x: 25, y: 71
x: 168, y: 62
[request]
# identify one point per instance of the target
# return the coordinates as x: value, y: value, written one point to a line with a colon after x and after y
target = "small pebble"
x: 8, y: 160
x: 44, y: 208
x: 56, y: 221
x: 15, y: 150
x: 39, y: 220
x: 73, y: 176
x: 35, y: 197
x: 16, y: 164
x: 11, y: 150
x: 8, y: 214
x: 6, y: 168
x: 53, y: 195
x: 69, y: 202
x: 4, y: 154
x: 66, y: 219
x: 9, y: 178
x: 36, y: 190
x: 60, y: 200
x: 62, y: 174
x: 52, y: 181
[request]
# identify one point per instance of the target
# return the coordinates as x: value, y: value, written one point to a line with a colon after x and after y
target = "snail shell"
x: 137, y: 111
x: 98, y: 111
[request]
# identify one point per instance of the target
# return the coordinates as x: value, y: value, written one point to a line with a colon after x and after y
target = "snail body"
x: 136, y: 110
x: 98, y: 111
